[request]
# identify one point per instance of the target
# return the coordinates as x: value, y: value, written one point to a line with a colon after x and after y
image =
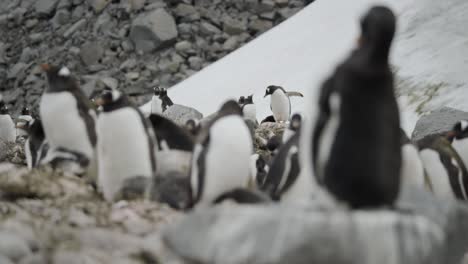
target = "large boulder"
x: 153, y: 30
x: 437, y: 122
x: 180, y: 114
x: 424, y: 231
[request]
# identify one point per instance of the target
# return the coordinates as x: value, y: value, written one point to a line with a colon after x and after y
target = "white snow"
x: 431, y: 48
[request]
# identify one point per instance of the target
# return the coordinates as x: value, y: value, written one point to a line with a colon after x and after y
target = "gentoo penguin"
x: 459, y: 139
x: 280, y: 103
x: 35, y: 147
x: 258, y: 171
x: 444, y: 167
x: 170, y: 135
x: 356, y: 143
x: 293, y: 127
x: 7, y: 126
x: 165, y: 100
x: 412, y: 169
x: 248, y: 108
x: 126, y: 151
x: 22, y: 122
x: 67, y: 116
x: 193, y: 127
x: 221, y: 157
x: 284, y: 171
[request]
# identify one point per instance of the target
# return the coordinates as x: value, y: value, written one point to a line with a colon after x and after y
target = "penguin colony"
x: 359, y: 153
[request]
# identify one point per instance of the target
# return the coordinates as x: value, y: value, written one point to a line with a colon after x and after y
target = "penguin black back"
x: 166, y: 101
x: 363, y: 167
x: 174, y: 136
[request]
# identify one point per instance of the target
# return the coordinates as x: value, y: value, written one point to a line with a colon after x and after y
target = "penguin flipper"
x: 294, y: 94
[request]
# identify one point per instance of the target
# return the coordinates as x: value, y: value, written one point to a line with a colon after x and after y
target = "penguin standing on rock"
x: 7, y: 126
x: 459, y: 139
x: 444, y: 167
x: 356, y: 143
x: 280, y: 103
x: 125, y: 152
x: 166, y: 101
x: 221, y: 158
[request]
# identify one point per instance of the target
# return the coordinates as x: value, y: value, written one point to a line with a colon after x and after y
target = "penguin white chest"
x: 287, y: 134
x: 250, y: 112
x: 227, y: 158
x: 156, y: 105
x: 7, y: 128
x: 437, y: 173
x: 412, y: 170
x: 123, y: 149
x: 280, y: 106
x: 63, y: 125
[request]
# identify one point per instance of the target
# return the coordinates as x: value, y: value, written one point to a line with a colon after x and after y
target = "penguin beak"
x: 99, y: 102
x: 45, y: 67
x: 266, y: 94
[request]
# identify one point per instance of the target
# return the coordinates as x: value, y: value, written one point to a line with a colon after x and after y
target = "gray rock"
x: 61, y: 18
x: 109, y: 82
x: 260, y: 25
x: 209, y: 29
x: 153, y: 30
x: 281, y: 3
x: 183, y: 46
x: 75, y: 27
x: 132, y: 76
x: 181, y: 114
x: 91, y: 53
x: 196, y: 63
x: 45, y: 7
x: 98, y: 5
x: 13, y: 246
x: 234, y: 27
x: 437, y: 122
x: 231, y: 43
x: 16, y: 70
x: 265, y: 6
x: 188, y: 13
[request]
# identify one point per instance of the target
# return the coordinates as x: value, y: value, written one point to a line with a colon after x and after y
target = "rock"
x: 16, y: 70
x: 181, y: 114
x: 231, y: 43
x: 281, y: 3
x: 437, y: 122
x: 196, y: 63
x: 75, y: 27
x: 45, y: 7
x: 265, y: 6
x: 98, y: 5
x: 188, y: 13
x: 183, y: 46
x: 234, y: 27
x: 153, y: 30
x: 260, y: 25
x: 132, y: 76
x: 61, y: 18
x: 208, y: 29
x: 13, y: 246
x: 109, y: 82
x: 91, y: 53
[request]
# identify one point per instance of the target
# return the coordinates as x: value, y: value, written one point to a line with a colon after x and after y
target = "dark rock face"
x: 437, y: 122
x: 168, y: 40
x: 424, y: 232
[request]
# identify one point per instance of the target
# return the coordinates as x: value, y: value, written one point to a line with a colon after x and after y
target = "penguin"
x: 284, y: 171
x: 22, y: 122
x: 67, y: 116
x: 356, y: 141
x: 35, y: 146
x: 170, y: 135
x: 280, y: 103
x: 166, y: 102
x: 258, y: 171
x: 444, y: 167
x: 155, y: 107
x: 458, y: 137
x: 7, y: 127
x: 248, y: 108
x: 193, y: 127
x: 221, y: 157
x: 293, y: 127
x: 412, y: 169
x: 126, y: 151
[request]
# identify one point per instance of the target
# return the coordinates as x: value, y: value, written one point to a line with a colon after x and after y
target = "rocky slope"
x: 128, y: 44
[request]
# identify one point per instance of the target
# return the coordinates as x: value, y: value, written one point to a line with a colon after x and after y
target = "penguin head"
x: 459, y: 131
x: 230, y: 107
x: 111, y: 99
x: 193, y: 126
x: 59, y: 78
x: 156, y: 91
x: 295, y: 123
x: 241, y: 100
x: 25, y: 111
x: 249, y: 99
x: 4, y: 109
x: 271, y: 89
x: 162, y: 92
x: 378, y: 28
